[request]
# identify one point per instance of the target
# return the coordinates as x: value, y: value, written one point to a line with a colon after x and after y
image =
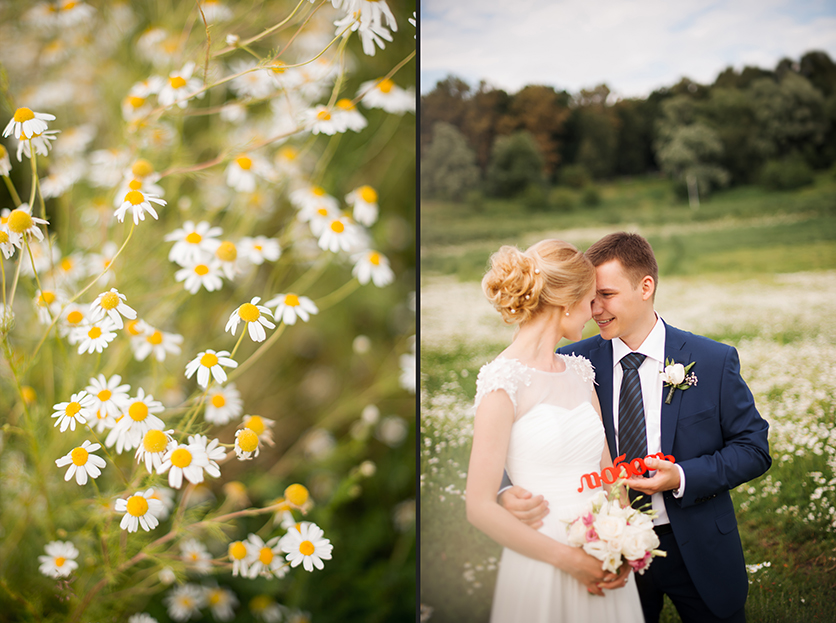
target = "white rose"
x: 609, y: 527
x: 649, y: 540
x: 674, y: 374
x: 632, y: 544
x: 598, y: 549
x: 577, y: 533
x: 616, y: 545
x: 612, y: 561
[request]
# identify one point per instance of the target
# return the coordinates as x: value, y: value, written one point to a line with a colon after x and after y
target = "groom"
x: 712, y: 429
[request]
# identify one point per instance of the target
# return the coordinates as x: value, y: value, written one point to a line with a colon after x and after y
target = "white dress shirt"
x: 653, y: 348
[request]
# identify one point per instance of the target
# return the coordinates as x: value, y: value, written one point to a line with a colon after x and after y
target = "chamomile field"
x: 753, y: 269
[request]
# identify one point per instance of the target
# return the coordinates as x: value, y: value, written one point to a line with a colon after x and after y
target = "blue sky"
x: 634, y: 46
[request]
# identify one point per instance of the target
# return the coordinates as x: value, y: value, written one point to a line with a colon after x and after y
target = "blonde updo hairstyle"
x: 521, y: 284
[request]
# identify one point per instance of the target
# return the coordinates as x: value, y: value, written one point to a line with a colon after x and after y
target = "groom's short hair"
x: 632, y: 250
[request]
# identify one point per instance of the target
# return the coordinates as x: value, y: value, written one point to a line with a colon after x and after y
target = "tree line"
x: 751, y: 126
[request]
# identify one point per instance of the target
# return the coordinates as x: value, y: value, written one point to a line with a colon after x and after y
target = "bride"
x: 538, y: 418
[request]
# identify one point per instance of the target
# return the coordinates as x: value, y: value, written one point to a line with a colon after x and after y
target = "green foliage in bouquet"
x: 207, y: 365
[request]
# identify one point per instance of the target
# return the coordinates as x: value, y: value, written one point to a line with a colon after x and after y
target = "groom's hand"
x: 529, y: 509
x: 666, y: 478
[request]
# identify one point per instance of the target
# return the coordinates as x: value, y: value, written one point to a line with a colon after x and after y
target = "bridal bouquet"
x: 613, y: 533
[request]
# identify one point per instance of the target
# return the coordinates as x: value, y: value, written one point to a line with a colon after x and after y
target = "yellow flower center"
x: 247, y: 440
x: 218, y: 401
x: 201, y: 269
x: 142, y: 168
x: 288, y: 153
x: 135, y: 101
x: 67, y: 264
x: 215, y: 596
x: 368, y: 194
x: 227, y: 252
x: 249, y: 312
x: 177, y: 82
x: 79, y: 456
x: 385, y: 86
x: 94, y: 333
x: 20, y: 221
x: 323, y: 115
x: 337, y: 227
x: 245, y: 162
x: 23, y: 114
x: 345, y: 104
x: 3, y: 152
x: 72, y: 409
x: 265, y: 555
x: 137, y: 505
x: 154, y: 441
x: 209, y: 359
x: 277, y: 67
x: 104, y: 395
x: 46, y: 298
x: 28, y: 394
x: 260, y: 603
x: 255, y: 424
x: 306, y: 548
x: 296, y: 494
x: 237, y: 550
x: 131, y: 327
x: 374, y: 258
x: 181, y: 457
x: 322, y: 212
x: 156, y: 338
x: 135, y: 185
x: 319, y: 191
x: 74, y: 317
x: 110, y: 300
x: 59, y: 561
x: 135, y: 197
x: 194, y: 238
x: 138, y: 411
x: 4, y: 237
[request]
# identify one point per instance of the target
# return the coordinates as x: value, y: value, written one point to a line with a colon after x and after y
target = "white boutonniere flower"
x: 676, y: 376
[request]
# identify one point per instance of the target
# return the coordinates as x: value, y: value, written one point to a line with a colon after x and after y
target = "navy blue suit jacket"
x: 717, y: 436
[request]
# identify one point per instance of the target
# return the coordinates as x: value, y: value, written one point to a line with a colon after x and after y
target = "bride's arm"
x: 606, y: 457
x: 491, y: 434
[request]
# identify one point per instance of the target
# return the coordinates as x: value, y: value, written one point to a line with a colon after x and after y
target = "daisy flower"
x: 371, y: 265
x: 166, y: 497
x: 184, y: 602
x: 346, y: 113
x: 106, y: 166
x: 61, y: 178
x: 21, y: 222
x: 181, y: 86
x: 319, y: 120
x: 78, y: 409
x: 44, y: 257
x: 139, y: 418
x: 138, y: 203
x: 306, y: 546
x: 221, y: 601
x: 258, y: 249
x: 255, y: 316
x: 215, y: 11
x: 59, y: 561
x: 256, y: 83
x: 372, y: 34
x: 387, y: 95
x: 150, y: 340
x: 100, y: 262
x: 6, y: 245
x: 111, y: 304
x: 94, y: 336
x: 195, y: 554
x: 193, y: 243
x: 144, y: 185
x: 184, y: 460
x: 40, y: 142
x: 140, y: 509
x: 108, y: 395
x: 289, y: 307
x: 265, y: 558
x: 244, y: 170
x: 266, y: 609
x: 27, y: 123
x: 341, y: 234
x: 260, y: 426
x: 239, y: 553
x: 227, y: 254
x: 207, y: 362
x: 142, y: 618
x: 74, y: 141
x: 82, y: 463
x: 5, y: 162
x: 48, y: 303
x: 199, y: 274
x: 364, y: 200
x: 223, y: 404
x: 214, y: 452
x: 153, y: 448
x: 246, y: 444
x: 312, y: 197
x: 72, y: 268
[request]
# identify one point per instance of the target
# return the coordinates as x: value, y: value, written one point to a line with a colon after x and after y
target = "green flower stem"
x: 107, y: 452
x: 325, y: 159
x: 15, y: 280
x: 238, y: 343
x: 337, y: 295
x: 12, y: 191
x: 258, y: 353
x: 263, y: 34
x: 308, y: 278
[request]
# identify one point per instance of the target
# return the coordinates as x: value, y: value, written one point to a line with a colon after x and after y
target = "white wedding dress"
x: 557, y: 436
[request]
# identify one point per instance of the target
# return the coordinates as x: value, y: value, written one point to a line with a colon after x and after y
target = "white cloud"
x: 634, y: 46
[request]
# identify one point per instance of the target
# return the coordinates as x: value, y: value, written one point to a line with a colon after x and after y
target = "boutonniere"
x: 676, y: 376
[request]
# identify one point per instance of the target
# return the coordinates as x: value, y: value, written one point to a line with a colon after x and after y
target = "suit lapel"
x: 675, y: 350
x: 601, y: 359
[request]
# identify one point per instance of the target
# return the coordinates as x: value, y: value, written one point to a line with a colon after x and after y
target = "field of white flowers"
x: 783, y: 329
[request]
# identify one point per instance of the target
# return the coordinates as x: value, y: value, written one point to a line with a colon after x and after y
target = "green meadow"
x: 749, y: 267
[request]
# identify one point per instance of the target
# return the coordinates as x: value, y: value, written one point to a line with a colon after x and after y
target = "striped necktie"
x: 632, y: 434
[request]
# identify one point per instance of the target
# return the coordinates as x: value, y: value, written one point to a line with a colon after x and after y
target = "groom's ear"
x: 648, y: 287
